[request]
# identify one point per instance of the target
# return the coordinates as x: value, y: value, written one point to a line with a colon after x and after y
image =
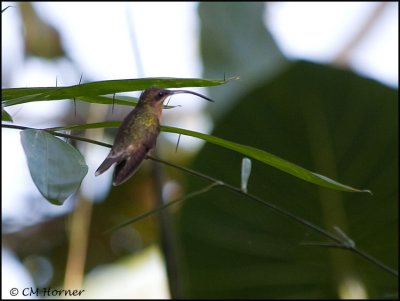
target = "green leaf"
x: 88, y: 91
x: 95, y: 125
x: 120, y: 100
x: 56, y: 167
x: 269, y: 159
x: 334, y: 121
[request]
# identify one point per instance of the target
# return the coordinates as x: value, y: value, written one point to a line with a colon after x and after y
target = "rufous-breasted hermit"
x: 138, y: 134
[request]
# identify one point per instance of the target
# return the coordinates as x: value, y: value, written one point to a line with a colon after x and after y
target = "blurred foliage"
x: 234, y: 42
x: 49, y: 238
x: 329, y: 120
x: 41, y: 39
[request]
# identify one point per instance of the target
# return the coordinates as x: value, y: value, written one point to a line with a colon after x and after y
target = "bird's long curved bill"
x: 189, y: 92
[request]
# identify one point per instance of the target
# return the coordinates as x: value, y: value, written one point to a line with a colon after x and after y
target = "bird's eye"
x: 160, y: 93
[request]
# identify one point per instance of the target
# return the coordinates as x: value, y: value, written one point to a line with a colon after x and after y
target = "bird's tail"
x: 126, y: 168
x: 105, y: 165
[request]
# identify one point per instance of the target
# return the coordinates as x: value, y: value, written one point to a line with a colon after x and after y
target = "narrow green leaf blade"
x: 269, y: 159
x: 86, y: 126
x: 120, y: 100
x: 87, y: 91
x: 56, y: 167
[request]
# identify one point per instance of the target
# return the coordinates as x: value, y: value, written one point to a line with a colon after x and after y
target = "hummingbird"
x: 138, y: 133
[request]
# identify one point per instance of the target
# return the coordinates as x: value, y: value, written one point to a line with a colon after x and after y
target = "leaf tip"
x: 367, y: 191
x: 233, y: 78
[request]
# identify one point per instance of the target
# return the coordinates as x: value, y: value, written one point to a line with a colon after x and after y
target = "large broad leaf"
x: 56, y: 167
x: 334, y: 122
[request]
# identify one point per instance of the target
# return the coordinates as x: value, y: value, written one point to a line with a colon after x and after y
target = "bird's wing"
x: 127, y: 167
x: 127, y: 159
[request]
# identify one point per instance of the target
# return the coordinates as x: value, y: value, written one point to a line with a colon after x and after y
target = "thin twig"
x: 162, y: 207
